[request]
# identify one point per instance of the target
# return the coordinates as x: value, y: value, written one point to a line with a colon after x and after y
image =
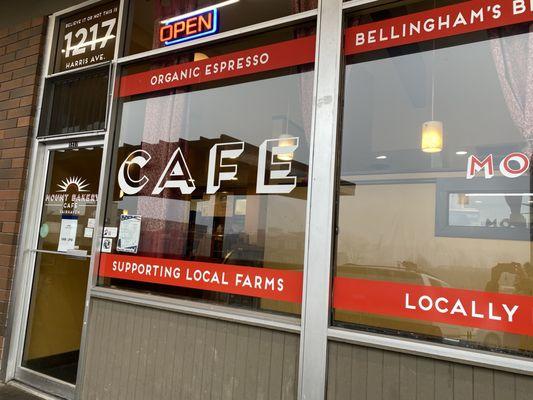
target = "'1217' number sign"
x: 87, y: 38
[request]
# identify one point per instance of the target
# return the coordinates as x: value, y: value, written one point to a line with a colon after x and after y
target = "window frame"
x: 421, y: 347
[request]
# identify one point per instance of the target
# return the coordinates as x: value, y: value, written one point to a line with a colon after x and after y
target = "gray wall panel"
x: 143, y: 353
x: 360, y: 373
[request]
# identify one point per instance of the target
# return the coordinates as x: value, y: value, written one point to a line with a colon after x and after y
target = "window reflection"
x: 410, y: 216
x: 237, y: 225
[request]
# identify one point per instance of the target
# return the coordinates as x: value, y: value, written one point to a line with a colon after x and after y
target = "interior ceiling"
x: 13, y: 12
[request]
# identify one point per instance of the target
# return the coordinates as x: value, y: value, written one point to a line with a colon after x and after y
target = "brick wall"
x: 20, y: 55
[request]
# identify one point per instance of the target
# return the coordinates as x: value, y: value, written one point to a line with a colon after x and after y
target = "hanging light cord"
x: 433, y: 84
x: 433, y: 73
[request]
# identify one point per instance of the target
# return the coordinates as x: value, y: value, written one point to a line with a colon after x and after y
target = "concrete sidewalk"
x: 9, y: 392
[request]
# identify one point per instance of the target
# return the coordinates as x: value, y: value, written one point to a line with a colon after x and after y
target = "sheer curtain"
x: 512, y: 51
x: 165, y: 220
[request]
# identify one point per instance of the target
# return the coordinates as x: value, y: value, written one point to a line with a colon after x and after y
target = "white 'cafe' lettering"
x: 176, y: 174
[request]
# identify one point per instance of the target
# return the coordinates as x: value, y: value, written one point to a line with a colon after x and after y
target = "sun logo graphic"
x: 81, y: 184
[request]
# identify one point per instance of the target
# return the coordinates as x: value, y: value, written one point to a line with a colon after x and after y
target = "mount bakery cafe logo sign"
x: 72, y: 192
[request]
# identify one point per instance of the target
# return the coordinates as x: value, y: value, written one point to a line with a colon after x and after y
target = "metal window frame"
x: 315, y: 330
x: 321, y: 203
x: 420, y: 347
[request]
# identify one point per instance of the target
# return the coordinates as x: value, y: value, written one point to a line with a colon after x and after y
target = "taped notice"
x: 67, y: 234
x: 129, y: 233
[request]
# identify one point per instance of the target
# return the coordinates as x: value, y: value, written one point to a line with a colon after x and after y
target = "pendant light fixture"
x: 432, y: 136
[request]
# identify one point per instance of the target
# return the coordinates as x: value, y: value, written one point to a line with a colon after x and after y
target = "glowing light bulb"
x: 200, y: 56
x: 432, y: 137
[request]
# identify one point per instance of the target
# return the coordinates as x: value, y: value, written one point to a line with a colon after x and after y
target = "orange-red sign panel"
x: 476, y: 309
x: 484, y: 310
x: 265, y: 283
x: 246, y: 62
x: 470, y: 16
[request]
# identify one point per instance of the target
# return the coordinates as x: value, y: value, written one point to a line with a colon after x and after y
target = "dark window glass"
x: 147, y: 16
x: 420, y: 221
x: 238, y: 224
x: 75, y: 103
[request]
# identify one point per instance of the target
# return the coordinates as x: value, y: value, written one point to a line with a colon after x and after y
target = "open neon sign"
x: 189, y: 26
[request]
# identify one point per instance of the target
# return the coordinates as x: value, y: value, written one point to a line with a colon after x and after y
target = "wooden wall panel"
x: 143, y: 353
x: 360, y: 373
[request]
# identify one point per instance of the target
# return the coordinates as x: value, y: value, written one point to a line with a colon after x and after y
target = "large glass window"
x: 435, y: 193
x: 209, y: 180
x: 187, y: 19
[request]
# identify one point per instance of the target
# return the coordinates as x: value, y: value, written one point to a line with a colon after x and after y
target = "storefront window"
x: 209, y: 182
x: 159, y: 23
x: 435, y: 197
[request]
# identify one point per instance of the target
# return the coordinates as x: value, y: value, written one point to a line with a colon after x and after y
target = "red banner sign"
x: 247, y: 281
x: 484, y: 310
x: 246, y: 62
x: 470, y: 16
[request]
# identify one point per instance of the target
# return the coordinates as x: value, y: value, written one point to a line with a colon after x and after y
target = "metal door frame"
x: 29, y: 252
x: 11, y: 368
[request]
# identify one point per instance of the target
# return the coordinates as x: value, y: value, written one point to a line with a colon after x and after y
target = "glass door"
x: 62, y: 258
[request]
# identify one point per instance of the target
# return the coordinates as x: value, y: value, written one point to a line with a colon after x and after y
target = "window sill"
x: 247, y: 317
x: 470, y: 357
